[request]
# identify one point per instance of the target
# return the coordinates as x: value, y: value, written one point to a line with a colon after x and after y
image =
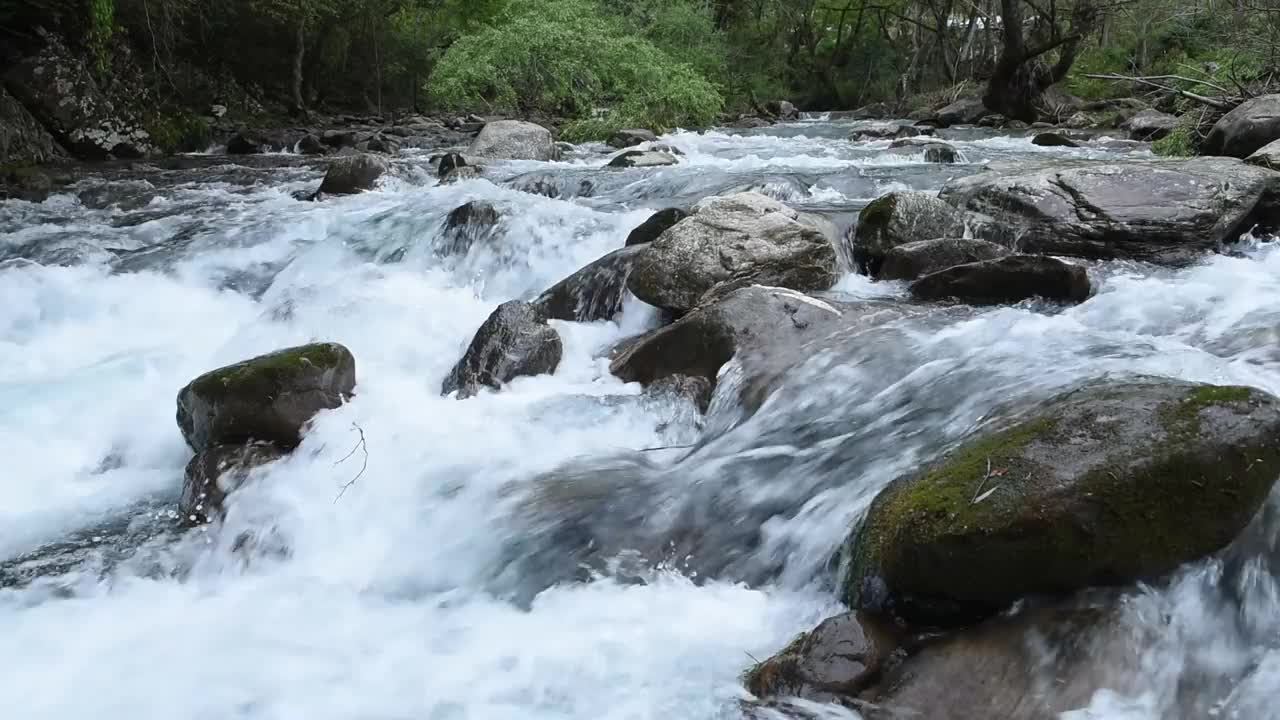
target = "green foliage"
x: 565, y: 58
x: 1177, y: 143
x: 102, y: 25
x: 180, y: 130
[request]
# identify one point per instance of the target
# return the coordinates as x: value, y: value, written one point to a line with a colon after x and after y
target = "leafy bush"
x: 565, y: 58
x: 1179, y: 142
x: 179, y: 131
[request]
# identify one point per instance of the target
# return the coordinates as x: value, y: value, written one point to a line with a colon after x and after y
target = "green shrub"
x: 564, y: 58
x: 1177, y: 143
x: 179, y: 130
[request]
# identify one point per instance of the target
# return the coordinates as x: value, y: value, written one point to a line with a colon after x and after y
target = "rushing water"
x: 495, y: 557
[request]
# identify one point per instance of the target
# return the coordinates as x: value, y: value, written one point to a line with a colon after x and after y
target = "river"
x: 493, y: 559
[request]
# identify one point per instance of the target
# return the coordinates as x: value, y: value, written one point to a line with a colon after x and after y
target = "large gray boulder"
x: 1168, y: 211
x: 58, y: 87
x: 216, y: 472
x: 595, y: 292
x: 1008, y: 279
x: 1150, y: 124
x: 897, y: 219
x: 744, y: 238
x: 1249, y: 126
x: 965, y: 111
x: 353, y: 174
x: 658, y: 223
x: 23, y: 140
x: 1111, y: 483
x: 514, y: 341
x: 269, y: 398
x: 920, y: 258
x: 514, y: 140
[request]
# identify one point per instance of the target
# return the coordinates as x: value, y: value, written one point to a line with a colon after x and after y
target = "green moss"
x: 879, y: 211
x: 179, y: 131
x: 253, y: 377
x: 1183, y: 419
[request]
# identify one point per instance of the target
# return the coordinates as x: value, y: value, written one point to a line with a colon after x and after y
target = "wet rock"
x: 658, y: 223
x: 593, y: 293
x: 256, y: 142
x: 1111, y: 483
x: 1241, y: 132
x: 743, y: 238
x: 379, y: 143
x: 965, y: 111
x: 57, y: 86
x: 1008, y: 279
x: 311, y: 144
x: 215, y: 473
x: 934, y: 151
x: 874, y: 111
x: 643, y: 159
x: 353, y: 174
x: 460, y: 174
x: 630, y: 138
x: 749, y: 122
x: 748, y: 320
x: 886, y: 131
x: 23, y: 140
x: 538, y: 183
x: 1150, y: 125
x: 338, y: 138
x: 782, y: 110
x: 514, y: 140
x: 449, y: 163
x: 1267, y: 156
x: 923, y: 257
x: 897, y: 219
x: 1159, y: 211
x: 840, y: 658
x: 269, y: 398
x: 467, y: 224
x: 695, y: 390
x: 26, y: 183
x: 514, y: 341
x: 1054, y: 139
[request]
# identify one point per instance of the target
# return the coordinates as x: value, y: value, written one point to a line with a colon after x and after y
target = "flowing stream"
x: 527, y: 553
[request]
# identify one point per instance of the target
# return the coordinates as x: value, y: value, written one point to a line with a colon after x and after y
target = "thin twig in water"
x: 666, y: 447
x: 360, y: 445
x: 981, y: 484
x: 753, y: 657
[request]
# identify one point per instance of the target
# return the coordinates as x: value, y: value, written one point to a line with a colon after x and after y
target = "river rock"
x: 782, y: 110
x: 23, y: 140
x: 1008, y: 279
x: 1168, y: 211
x: 256, y: 142
x: 630, y: 138
x: 920, y: 258
x: 643, y: 159
x: 1054, y: 139
x: 514, y: 140
x: 744, y: 321
x: 1239, y: 133
x: 658, y: 223
x: 900, y: 218
x: 57, y: 87
x: 840, y: 658
x: 887, y: 131
x: 460, y: 174
x: 216, y: 472
x: 448, y: 163
x: 466, y: 225
x: 1105, y: 485
x: 1267, y: 156
x: 1150, y: 125
x: 353, y: 174
x: 311, y: 144
x: 934, y: 152
x: 513, y: 342
x: 593, y: 293
x: 743, y: 238
x: 269, y: 398
x: 965, y: 111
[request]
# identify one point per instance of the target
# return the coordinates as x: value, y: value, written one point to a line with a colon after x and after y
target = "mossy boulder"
x: 217, y: 472
x: 268, y: 398
x: 900, y: 218
x: 1105, y: 485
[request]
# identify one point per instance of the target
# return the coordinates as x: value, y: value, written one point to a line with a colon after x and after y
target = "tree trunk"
x: 299, y: 55
x: 1021, y: 74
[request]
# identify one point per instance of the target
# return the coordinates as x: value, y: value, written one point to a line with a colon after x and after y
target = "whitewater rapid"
x: 409, y: 596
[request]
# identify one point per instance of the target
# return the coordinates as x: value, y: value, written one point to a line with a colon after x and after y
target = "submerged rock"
x: 923, y: 257
x: 744, y: 238
x: 658, y: 223
x: 1008, y: 279
x: 514, y: 341
x: 1159, y: 211
x: 353, y: 174
x: 1054, y: 139
x: 448, y: 163
x: 215, y: 473
x: 269, y: 398
x: 595, y: 292
x: 1239, y: 133
x: 643, y: 159
x: 900, y: 218
x: 1105, y: 485
x: 466, y: 225
x: 630, y: 138
x: 934, y: 151
x: 514, y: 140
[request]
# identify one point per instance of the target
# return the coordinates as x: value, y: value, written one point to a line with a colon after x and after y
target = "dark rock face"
x: 268, y: 398
x: 353, y: 174
x: 23, y: 140
x: 643, y: 159
x: 744, y: 238
x: 449, y: 163
x: 840, y: 658
x: 923, y: 257
x: 900, y: 218
x: 58, y: 88
x: 215, y: 473
x: 749, y: 320
x: 1150, y: 125
x: 311, y: 144
x: 934, y: 150
x: 468, y: 224
x: 1008, y: 279
x: 1251, y: 125
x: 1105, y: 485
x: 514, y: 140
x: 1054, y: 139
x: 630, y: 138
x: 658, y: 223
x: 514, y: 341
x: 459, y: 174
x: 782, y: 110
x: 965, y: 111
x: 1160, y: 211
x: 593, y: 293
x: 256, y: 142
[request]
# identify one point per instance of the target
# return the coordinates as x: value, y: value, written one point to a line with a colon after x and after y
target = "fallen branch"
x: 1220, y: 104
x: 360, y: 445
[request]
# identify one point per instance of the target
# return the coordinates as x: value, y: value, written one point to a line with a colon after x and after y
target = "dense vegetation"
x: 663, y: 63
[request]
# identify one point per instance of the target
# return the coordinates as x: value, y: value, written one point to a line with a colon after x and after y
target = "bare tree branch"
x: 360, y: 445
